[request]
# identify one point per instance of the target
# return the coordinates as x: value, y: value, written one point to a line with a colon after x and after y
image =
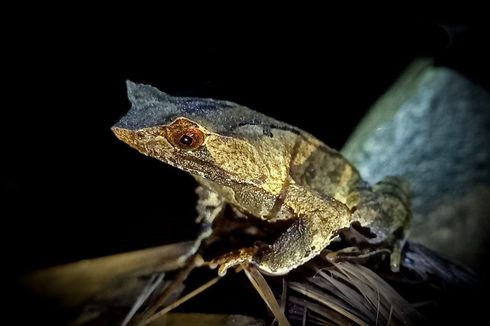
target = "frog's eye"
x: 189, y: 139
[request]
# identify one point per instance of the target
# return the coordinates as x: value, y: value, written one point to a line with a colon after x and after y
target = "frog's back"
x: 314, y: 165
x: 323, y: 169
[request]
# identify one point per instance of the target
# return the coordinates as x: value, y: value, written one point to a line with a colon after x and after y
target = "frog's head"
x: 194, y: 134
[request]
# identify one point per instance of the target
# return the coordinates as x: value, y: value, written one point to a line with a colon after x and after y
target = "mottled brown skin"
x: 268, y: 169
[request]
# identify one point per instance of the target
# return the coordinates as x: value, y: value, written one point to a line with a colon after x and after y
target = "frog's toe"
x: 395, y: 264
x: 354, y: 254
x: 231, y: 259
x: 342, y: 254
x: 396, y: 256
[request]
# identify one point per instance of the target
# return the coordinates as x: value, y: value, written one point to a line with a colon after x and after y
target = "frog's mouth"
x: 128, y: 136
x: 202, y: 168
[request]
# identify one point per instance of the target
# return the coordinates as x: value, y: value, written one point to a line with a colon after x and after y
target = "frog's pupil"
x: 186, y: 140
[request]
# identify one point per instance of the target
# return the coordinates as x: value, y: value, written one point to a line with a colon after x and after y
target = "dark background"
x: 73, y: 191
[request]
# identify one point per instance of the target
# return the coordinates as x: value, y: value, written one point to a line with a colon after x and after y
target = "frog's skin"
x: 264, y: 168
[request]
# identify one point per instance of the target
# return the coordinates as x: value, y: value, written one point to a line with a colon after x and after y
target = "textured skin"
x: 264, y: 168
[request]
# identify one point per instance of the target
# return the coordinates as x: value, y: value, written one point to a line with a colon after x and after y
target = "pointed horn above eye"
x: 140, y: 93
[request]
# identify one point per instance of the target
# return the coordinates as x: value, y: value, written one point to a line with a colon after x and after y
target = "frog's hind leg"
x: 385, y: 211
x: 395, y: 202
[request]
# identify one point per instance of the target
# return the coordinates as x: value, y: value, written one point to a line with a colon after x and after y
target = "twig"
x: 265, y: 292
x: 154, y: 282
x: 183, y: 299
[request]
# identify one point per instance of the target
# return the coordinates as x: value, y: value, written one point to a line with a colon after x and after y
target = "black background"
x: 73, y: 191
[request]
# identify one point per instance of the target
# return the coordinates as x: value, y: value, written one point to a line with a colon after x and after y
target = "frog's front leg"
x: 209, y: 206
x: 317, y: 221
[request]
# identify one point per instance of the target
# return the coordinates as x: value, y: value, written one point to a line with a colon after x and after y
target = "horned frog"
x: 267, y: 169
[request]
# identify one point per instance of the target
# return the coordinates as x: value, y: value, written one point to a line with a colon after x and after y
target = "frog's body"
x: 267, y: 169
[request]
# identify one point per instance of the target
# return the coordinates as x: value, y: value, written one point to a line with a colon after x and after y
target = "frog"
x: 268, y: 169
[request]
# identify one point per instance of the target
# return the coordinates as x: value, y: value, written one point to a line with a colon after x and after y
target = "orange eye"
x: 189, y: 139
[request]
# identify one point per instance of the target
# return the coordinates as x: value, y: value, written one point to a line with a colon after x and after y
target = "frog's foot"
x: 228, y: 260
x: 396, y: 256
x: 354, y: 254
